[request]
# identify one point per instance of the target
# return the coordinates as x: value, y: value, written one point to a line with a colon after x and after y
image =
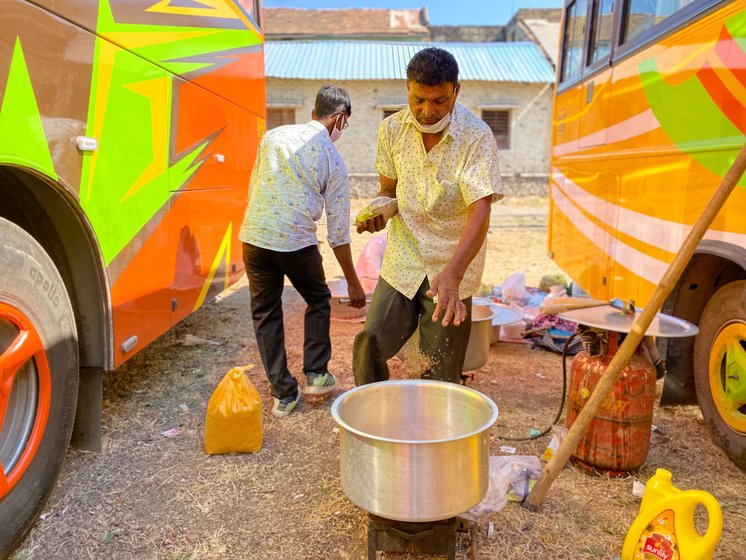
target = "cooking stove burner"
x: 435, y: 537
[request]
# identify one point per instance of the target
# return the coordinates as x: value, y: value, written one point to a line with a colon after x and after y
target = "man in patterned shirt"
x: 440, y: 162
x: 298, y: 173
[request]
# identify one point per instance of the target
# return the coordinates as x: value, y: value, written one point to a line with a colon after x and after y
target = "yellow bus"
x: 649, y: 115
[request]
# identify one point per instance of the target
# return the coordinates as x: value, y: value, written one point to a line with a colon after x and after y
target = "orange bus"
x: 128, y: 131
x: 649, y: 114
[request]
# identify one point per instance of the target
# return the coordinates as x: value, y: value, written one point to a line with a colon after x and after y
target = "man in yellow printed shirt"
x: 440, y: 162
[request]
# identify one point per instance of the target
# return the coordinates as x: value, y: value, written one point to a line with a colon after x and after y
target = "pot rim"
x: 486, y: 426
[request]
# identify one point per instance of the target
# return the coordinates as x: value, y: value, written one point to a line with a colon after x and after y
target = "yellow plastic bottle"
x: 664, y: 528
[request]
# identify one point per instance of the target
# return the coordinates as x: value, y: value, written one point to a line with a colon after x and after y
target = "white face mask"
x: 431, y: 128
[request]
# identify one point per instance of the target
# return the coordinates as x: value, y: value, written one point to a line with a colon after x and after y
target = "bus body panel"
x: 676, y: 119
x: 174, y: 97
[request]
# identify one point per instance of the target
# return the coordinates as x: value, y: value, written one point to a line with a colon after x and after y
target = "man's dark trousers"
x: 392, y: 319
x: 266, y: 270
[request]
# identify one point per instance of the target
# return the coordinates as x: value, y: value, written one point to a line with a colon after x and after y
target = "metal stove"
x: 435, y: 537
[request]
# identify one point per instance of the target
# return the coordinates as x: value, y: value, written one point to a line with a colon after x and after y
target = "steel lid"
x: 611, y: 319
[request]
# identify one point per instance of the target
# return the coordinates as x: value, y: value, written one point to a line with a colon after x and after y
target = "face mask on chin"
x: 431, y: 128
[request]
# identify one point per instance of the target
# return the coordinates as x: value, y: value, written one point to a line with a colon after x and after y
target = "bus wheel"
x: 38, y: 380
x: 720, y: 369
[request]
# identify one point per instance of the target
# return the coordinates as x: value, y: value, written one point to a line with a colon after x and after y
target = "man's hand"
x: 377, y: 223
x: 372, y: 225
x: 354, y: 288
x: 445, y: 285
x: 357, y: 294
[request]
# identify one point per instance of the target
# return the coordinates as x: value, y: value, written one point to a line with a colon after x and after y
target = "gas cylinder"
x: 618, y: 438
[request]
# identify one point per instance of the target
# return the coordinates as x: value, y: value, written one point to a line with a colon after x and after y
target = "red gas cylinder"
x: 618, y: 438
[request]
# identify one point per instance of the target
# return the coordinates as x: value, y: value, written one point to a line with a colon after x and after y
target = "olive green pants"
x: 392, y: 319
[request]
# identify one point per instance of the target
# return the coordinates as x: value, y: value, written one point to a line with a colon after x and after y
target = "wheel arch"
x: 714, y: 264
x: 50, y: 213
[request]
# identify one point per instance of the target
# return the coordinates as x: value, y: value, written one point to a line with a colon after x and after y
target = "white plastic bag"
x: 384, y: 205
x: 510, y: 477
x: 368, y: 267
x: 514, y: 287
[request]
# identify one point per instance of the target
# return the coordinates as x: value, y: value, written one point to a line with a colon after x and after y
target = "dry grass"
x: 150, y: 497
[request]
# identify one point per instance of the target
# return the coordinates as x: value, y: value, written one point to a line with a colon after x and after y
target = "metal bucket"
x: 414, y: 450
x: 478, y: 348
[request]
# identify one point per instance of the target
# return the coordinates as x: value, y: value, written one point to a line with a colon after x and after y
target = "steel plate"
x: 611, y: 319
x: 502, y: 314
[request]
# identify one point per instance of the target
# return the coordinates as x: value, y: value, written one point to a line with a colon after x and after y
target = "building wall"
x: 466, y: 33
x: 524, y: 166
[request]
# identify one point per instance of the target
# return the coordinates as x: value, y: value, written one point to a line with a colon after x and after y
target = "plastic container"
x: 665, y: 530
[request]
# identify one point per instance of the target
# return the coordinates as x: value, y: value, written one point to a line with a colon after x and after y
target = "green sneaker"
x: 283, y: 407
x: 319, y: 383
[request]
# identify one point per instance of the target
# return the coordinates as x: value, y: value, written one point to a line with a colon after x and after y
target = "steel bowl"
x: 414, y: 450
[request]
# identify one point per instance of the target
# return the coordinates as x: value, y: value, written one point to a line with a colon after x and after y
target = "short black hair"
x: 331, y: 100
x: 432, y: 66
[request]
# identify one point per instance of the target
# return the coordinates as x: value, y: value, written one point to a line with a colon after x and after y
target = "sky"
x: 441, y: 12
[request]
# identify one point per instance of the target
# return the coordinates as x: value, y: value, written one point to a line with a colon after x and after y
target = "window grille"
x: 279, y: 117
x: 499, y: 123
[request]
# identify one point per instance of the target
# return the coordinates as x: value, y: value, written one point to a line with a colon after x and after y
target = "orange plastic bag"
x: 234, y: 416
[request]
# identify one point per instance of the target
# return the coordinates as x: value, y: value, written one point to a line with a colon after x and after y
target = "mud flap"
x: 87, y: 428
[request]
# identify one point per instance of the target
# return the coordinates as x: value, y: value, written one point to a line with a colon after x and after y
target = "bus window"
x: 641, y: 15
x: 602, y: 23
x: 572, y: 59
x: 252, y: 8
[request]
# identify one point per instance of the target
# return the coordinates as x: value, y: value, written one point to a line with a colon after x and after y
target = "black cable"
x: 562, y: 401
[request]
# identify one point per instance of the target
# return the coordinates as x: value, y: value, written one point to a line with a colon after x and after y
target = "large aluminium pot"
x: 414, y: 450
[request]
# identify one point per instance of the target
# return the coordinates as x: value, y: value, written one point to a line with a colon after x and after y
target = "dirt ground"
x: 152, y: 497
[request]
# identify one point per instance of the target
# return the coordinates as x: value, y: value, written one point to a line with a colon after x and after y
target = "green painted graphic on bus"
x: 129, y: 179
x: 698, y: 114
x: 22, y: 138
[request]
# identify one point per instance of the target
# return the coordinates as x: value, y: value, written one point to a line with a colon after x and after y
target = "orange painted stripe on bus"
x: 731, y: 54
x: 730, y: 105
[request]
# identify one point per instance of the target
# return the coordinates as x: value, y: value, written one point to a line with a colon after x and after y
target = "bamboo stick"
x: 627, y: 349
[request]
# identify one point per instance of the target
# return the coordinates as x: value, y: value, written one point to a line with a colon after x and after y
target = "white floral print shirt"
x: 298, y: 172
x: 433, y: 191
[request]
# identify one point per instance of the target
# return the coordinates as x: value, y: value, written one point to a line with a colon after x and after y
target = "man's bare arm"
x: 446, y: 284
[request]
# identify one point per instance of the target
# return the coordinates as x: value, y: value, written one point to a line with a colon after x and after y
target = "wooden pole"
x: 641, y: 324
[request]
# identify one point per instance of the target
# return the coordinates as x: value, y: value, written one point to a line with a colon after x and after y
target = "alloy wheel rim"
x: 25, y: 394
x: 728, y: 374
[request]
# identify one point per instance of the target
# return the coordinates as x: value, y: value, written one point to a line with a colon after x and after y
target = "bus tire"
x: 38, y: 380
x: 720, y: 369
